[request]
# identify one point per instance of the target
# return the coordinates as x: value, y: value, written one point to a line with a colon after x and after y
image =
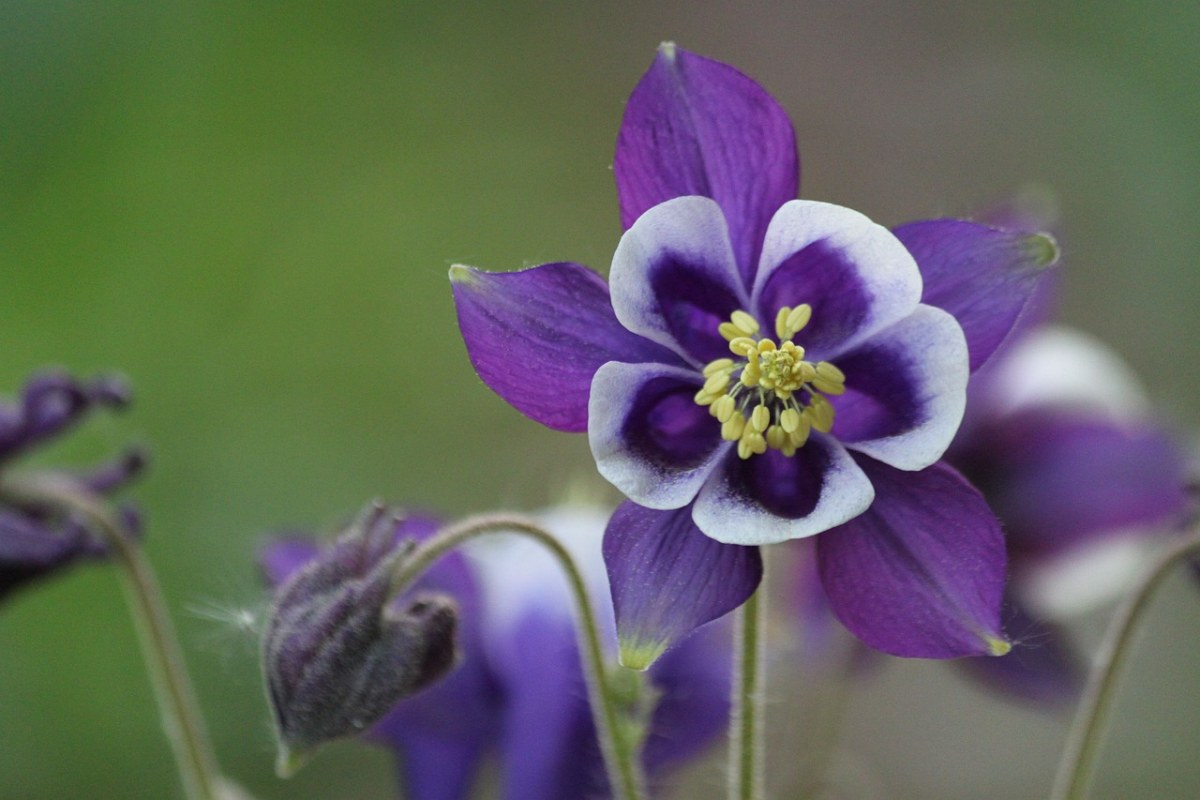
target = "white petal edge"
x: 694, y: 230
x: 730, y: 517
x: 885, y: 268
x: 1057, y: 366
x: 614, y: 389
x: 1087, y: 576
x: 937, y: 345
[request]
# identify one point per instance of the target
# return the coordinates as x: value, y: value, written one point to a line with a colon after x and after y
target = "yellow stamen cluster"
x: 777, y: 398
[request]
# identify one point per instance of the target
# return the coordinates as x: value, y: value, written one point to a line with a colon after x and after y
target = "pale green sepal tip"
x: 668, y: 50
x: 1042, y: 249
x: 998, y: 646
x: 640, y: 655
x: 288, y: 762
x: 461, y: 273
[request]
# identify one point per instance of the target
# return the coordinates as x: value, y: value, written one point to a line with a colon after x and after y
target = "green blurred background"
x: 250, y: 209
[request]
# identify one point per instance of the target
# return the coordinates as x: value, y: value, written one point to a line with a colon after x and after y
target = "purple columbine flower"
x: 761, y: 368
x: 35, y: 541
x: 518, y: 690
x: 1062, y: 441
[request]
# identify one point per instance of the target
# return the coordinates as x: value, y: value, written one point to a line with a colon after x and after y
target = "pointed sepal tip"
x: 288, y: 761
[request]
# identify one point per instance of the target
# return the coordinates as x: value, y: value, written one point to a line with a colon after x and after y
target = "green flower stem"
x: 746, y: 722
x: 1091, y: 720
x: 181, y: 717
x: 620, y: 753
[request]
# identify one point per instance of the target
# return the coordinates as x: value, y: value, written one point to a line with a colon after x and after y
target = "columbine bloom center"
x: 769, y: 396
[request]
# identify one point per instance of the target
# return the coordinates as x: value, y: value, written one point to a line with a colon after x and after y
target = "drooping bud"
x: 339, y: 652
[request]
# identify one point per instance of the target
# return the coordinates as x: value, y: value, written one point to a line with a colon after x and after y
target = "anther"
x: 742, y: 346
x: 717, y: 366
x: 744, y: 322
x: 781, y: 327
x: 760, y: 418
x: 731, y: 429
x: 716, y: 384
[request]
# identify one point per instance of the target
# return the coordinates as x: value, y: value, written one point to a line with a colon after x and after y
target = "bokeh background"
x: 250, y: 208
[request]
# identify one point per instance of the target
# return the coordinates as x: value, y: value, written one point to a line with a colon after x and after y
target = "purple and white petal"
x: 1059, y: 367
x: 1091, y: 574
x: 921, y: 574
x: 537, y: 336
x: 771, y: 498
x: 984, y: 276
x: 906, y: 390
x: 856, y: 275
x: 648, y: 436
x: 674, y: 280
x: 694, y: 126
x: 668, y: 579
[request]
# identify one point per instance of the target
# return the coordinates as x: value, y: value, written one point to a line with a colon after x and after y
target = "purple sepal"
x: 1042, y: 669
x: 550, y: 750
x: 537, y: 336
x: 694, y: 126
x: 430, y: 767
x: 692, y: 681
x: 284, y: 556
x: 36, y: 541
x: 548, y: 746
x: 984, y: 276
x: 1058, y: 478
x: 668, y: 579
x: 29, y: 550
x: 50, y: 404
x: 921, y: 573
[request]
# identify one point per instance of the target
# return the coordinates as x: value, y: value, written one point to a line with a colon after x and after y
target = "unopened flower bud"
x: 338, y: 652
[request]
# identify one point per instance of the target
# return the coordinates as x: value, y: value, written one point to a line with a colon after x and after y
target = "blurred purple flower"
x: 1060, y: 438
x: 765, y: 369
x: 519, y: 688
x: 36, y: 541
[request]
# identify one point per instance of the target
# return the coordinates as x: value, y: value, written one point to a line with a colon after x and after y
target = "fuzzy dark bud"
x: 340, y: 650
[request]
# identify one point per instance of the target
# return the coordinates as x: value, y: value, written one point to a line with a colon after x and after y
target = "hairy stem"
x: 620, y: 753
x: 1091, y: 720
x: 746, y: 753
x: 181, y: 717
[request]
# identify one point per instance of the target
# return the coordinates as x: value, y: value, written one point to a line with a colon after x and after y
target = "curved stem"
x: 619, y: 752
x: 180, y: 714
x: 1091, y: 720
x: 746, y: 754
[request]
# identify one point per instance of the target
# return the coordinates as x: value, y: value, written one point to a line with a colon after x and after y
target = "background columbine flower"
x: 37, y: 541
x: 1061, y: 440
x: 721, y: 432
x: 519, y: 687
